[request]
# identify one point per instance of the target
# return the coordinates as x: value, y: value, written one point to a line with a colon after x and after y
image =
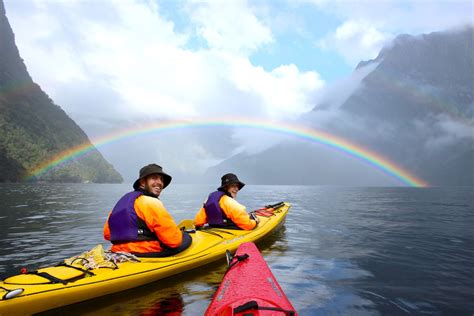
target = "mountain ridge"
x: 416, y: 115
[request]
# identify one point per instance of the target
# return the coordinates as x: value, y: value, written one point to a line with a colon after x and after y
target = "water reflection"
x: 171, y: 306
x: 156, y: 300
x: 357, y: 251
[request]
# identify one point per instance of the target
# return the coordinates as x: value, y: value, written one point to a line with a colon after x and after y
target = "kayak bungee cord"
x: 211, y: 233
x: 223, y: 231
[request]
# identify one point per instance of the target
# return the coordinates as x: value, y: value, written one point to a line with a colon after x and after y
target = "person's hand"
x: 254, y: 217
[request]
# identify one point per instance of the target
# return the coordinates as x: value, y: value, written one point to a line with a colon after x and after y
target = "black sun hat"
x: 149, y: 170
x: 228, y: 179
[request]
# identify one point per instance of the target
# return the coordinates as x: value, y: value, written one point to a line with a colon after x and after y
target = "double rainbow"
x: 353, y: 150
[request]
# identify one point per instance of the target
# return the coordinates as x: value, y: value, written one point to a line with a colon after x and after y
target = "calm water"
x: 356, y: 251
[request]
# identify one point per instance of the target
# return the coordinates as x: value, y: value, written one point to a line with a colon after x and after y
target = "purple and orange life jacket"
x: 214, y: 213
x: 124, y: 223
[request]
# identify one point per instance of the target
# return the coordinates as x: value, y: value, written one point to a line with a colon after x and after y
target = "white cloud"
x: 230, y: 26
x: 443, y: 131
x: 397, y: 16
x: 285, y: 91
x: 138, y: 54
x: 368, y: 25
x: 457, y: 129
x: 356, y: 41
x: 332, y: 97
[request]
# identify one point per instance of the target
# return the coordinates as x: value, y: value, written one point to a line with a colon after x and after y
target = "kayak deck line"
x: 205, y: 248
x: 219, y: 230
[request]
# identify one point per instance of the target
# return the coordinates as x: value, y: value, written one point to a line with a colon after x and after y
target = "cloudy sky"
x: 113, y: 64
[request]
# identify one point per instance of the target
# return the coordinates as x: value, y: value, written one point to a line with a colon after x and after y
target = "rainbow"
x: 353, y: 150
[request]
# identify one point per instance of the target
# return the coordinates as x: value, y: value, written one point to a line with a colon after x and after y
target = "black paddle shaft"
x: 277, y: 205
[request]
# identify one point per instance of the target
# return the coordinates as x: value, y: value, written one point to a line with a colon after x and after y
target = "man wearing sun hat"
x: 140, y: 224
x: 222, y: 210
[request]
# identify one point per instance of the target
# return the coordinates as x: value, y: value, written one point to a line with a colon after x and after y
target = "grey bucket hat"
x: 149, y: 170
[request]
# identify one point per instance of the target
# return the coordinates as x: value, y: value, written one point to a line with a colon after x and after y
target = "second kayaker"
x: 222, y: 210
x: 140, y: 224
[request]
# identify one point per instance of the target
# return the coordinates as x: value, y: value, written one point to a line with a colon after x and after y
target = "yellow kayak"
x: 56, y: 286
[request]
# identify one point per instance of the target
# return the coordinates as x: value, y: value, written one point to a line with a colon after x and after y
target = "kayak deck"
x: 207, y: 246
x: 249, y: 288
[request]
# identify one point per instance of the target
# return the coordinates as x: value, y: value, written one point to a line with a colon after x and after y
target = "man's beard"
x: 149, y: 190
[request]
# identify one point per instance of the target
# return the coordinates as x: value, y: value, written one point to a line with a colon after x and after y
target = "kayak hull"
x: 207, y: 246
x: 249, y: 288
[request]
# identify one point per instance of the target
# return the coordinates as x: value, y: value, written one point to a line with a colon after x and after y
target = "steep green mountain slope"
x: 34, y: 129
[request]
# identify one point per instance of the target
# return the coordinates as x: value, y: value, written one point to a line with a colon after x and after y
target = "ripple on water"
x: 35, y: 217
x: 67, y: 212
x: 405, y: 304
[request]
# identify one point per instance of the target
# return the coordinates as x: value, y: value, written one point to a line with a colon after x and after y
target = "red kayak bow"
x: 249, y: 288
